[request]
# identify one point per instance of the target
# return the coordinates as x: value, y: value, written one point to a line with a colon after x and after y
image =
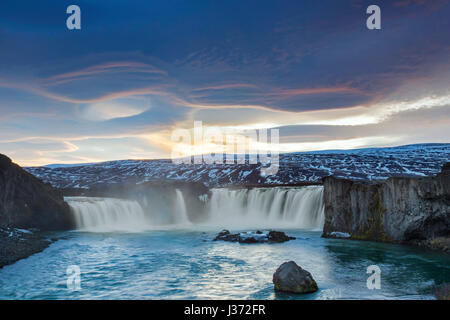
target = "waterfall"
x: 111, y: 214
x: 108, y: 214
x: 277, y: 207
x: 181, y: 216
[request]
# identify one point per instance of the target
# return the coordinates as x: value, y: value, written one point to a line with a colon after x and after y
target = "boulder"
x: 289, y: 277
x: 278, y: 236
x: 253, y: 236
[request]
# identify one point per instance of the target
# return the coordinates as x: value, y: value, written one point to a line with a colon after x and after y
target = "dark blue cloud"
x: 291, y: 55
x: 289, y: 44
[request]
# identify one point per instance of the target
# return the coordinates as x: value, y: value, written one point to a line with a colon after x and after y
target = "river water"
x: 122, y: 255
x: 179, y: 264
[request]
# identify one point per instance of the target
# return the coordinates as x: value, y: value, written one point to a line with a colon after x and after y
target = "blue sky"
x: 137, y: 70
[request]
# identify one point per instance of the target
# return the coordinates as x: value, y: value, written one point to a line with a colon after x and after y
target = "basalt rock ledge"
x: 402, y: 210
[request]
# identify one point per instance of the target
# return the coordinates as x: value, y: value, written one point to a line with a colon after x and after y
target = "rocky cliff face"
x: 27, y: 202
x: 395, y: 210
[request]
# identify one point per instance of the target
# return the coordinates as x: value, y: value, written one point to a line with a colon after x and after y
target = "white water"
x: 277, y: 207
x: 108, y: 214
x: 181, y: 217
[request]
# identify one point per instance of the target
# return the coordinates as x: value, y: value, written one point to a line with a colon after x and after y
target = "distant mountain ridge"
x: 300, y: 167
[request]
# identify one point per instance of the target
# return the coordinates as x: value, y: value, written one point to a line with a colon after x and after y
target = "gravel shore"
x: 16, y: 244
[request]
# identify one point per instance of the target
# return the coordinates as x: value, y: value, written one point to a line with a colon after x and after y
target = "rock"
x: 402, y: 209
x: 251, y: 240
x: 289, y: 277
x: 439, y: 243
x: 26, y: 202
x: 278, y: 236
x: 339, y: 235
x: 226, y: 236
x: 253, y: 237
x: 17, y: 244
x: 446, y: 169
x: 222, y: 234
x: 443, y: 292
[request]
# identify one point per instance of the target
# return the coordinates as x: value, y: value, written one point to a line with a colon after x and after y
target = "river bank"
x: 18, y: 244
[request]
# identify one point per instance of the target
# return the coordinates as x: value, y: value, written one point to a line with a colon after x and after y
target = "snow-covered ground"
x: 359, y: 164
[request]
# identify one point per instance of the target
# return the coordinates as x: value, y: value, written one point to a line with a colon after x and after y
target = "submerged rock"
x: 289, y: 277
x: 253, y: 236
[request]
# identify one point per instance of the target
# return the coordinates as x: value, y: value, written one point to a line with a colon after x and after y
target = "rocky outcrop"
x: 27, y: 202
x: 411, y: 210
x: 253, y: 236
x: 289, y: 277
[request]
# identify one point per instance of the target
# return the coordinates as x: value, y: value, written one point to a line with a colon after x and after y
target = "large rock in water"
x: 410, y: 210
x: 289, y: 277
x: 258, y: 236
x: 27, y: 202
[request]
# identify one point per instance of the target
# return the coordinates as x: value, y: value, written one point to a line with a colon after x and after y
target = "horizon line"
x: 284, y: 153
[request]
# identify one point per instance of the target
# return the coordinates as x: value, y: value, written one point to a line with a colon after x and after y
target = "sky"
x: 138, y: 70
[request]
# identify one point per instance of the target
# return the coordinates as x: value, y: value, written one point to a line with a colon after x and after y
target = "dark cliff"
x: 407, y: 210
x: 27, y: 202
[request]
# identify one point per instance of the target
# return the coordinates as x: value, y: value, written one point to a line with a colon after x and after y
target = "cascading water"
x: 278, y: 207
x: 181, y: 216
x: 112, y: 214
x: 108, y: 214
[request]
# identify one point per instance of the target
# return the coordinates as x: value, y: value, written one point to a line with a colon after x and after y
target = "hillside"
x: 309, y: 167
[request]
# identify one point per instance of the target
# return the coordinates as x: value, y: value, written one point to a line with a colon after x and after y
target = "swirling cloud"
x: 311, y: 69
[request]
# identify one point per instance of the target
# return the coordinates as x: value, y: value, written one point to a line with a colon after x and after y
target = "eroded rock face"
x: 394, y: 210
x: 27, y: 202
x: 289, y: 277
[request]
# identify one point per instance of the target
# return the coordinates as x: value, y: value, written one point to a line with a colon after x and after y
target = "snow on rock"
x: 358, y: 164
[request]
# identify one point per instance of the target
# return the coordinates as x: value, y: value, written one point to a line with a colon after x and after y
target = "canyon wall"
x: 404, y: 210
x: 27, y: 202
